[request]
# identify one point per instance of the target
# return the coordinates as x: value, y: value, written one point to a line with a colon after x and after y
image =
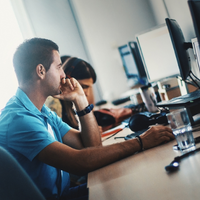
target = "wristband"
x: 140, y: 142
x: 87, y: 110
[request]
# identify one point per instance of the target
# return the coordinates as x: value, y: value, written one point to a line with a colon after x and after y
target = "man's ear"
x: 40, y: 70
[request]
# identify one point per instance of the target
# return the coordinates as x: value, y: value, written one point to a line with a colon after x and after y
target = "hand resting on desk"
x: 156, y: 135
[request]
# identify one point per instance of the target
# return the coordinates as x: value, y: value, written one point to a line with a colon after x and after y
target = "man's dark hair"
x: 31, y: 53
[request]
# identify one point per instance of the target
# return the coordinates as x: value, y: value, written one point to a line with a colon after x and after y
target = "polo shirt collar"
x: 21, y: 95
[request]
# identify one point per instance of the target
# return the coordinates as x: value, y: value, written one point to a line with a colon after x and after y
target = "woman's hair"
x: 78, y: 69
x: 64, y: 58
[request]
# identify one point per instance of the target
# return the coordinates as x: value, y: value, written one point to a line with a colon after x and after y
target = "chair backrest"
x: 15, y: 184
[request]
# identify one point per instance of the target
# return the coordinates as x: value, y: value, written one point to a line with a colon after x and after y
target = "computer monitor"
x: 136, y: 54
x: 194, y: 6
x: 196, y: 50
x: 132, y: 62
x: 157, y: 53
x: 180, y: 47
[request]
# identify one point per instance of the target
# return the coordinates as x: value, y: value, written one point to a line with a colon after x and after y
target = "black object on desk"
x: 189, y: 101
x: 174, y: 165
x: 121, y: 100
x: 140, y: 122
x: 143, y: 120
x: 184, y: 100
x: 102, y: 102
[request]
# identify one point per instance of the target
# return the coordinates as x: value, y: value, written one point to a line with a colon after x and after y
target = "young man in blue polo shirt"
x: 46, y: 147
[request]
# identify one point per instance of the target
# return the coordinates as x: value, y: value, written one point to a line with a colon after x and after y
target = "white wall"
x: 53, y: 20
x: 94, y: 29
x: 178, y: 10
x: 159, y: 10
x: 106, y: 25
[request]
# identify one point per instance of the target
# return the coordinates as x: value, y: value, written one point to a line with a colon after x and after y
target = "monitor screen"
x: 132, y: 62
x: 128, y: 61
x: 157, y: 53
x: 180, y: 47
x: 194, y: 6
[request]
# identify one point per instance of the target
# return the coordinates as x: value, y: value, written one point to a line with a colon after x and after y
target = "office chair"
x: 15, y: 184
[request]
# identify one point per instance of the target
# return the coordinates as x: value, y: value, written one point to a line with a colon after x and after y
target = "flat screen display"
x: 157, y: 53
x: 129, y: 63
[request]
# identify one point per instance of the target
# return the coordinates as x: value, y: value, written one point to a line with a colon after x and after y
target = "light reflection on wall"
x: 10, y: 38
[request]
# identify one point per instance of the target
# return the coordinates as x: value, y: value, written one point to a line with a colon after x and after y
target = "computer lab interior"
x: 130, y: 43
x: 94, y: 31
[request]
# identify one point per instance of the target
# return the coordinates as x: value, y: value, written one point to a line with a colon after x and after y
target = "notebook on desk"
x: 182, y: 101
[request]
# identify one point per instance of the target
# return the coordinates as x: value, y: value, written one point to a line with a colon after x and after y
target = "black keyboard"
x: 187, y: 99
x: 190, y: 96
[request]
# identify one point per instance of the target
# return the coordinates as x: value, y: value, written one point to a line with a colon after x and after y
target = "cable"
x: 189, y: 81
x: 194, y: 75
x: 194, y: 81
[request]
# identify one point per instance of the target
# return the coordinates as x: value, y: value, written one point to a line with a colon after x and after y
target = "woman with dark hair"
x: 83, y: 72
x: 86, y: 76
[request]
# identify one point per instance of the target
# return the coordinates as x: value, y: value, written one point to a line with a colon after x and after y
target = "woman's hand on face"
x: 70, y: 90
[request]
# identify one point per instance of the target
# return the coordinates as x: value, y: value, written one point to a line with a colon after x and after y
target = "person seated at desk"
x: 46, y: 147
x: 85, y: 74
x: 53, y: 103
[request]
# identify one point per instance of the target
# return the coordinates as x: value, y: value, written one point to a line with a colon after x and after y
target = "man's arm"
x: 89, y: 135
x: 86, y: 160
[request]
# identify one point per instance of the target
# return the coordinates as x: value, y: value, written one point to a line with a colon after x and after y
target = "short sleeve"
x: 57, y: 123
x: 28, y: 135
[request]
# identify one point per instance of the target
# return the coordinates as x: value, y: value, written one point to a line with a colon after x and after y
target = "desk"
x: 143, y: 176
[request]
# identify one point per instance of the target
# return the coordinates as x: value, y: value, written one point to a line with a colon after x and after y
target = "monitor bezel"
x: 180, y: 50
x: 134, y: 52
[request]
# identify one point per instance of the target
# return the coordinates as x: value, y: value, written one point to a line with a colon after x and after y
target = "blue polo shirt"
x: 24, y: 132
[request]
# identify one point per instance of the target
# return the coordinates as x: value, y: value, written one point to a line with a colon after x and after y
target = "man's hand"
x: 156, y: 135
x: 70, y: 90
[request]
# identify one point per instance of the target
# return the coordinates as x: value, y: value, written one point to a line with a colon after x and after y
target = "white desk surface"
x: 143, y: 176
